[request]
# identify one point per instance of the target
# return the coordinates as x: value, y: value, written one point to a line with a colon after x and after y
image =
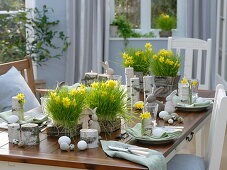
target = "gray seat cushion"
x: 186, y: 162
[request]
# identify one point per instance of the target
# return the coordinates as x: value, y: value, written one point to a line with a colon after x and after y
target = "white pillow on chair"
x: 12, y: 83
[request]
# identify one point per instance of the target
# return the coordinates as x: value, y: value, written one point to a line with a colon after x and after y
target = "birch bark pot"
x: 30, y: 133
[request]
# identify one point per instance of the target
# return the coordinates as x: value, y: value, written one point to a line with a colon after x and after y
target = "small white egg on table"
x: 71, y: 147
x: 158, y: 132
x: 82, y: 145
x: 65, y: 139
x: 163, y: 114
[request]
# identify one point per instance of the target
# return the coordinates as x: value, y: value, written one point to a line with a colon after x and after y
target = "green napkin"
x: 155, y: 161
x: 136, y: 132
x: 204, y: 103
x: 30, y: 116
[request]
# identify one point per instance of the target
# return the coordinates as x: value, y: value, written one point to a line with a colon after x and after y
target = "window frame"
x: 145, y: 18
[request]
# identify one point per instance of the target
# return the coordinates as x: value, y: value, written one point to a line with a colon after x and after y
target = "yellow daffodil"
x: 104, y: 85
x: 139, y: 105
x: 138, y: 53
x: 111, y: 83
x: 20, y: 96
x: 161, y: 59
x: 154, y: 56
x: 184, y: 81
x: 194, y: 83
x: 128, y: 62
x: 82, y: 91
x: 95, y: 85
x: 148, y: 45
x: 124, y: 55
x: 165, y: 16
x: 57, y: 99
x: 145, y: 115
x: 73, y: 92
x: 53, y: 95
x: 170, y: 53
x: 66, y: 101
x: 22, y: 101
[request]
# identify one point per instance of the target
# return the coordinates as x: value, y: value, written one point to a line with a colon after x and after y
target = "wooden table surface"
x: 48, y: 152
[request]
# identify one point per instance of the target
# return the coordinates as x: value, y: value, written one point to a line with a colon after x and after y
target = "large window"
x: 142, y: 14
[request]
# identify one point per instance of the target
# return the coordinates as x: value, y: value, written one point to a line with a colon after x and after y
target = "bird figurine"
x: 105, y: 65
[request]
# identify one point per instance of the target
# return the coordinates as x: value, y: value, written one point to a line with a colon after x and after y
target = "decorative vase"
x: 140, y: 75
x: 165, y: 33
x: 113, y: 30
x: 169, y: 83
x: 108, y: 126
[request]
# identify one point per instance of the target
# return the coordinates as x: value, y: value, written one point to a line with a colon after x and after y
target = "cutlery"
x: 137, y: 151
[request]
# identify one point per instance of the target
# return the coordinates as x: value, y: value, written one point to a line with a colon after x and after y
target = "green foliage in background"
x: 30, y: 33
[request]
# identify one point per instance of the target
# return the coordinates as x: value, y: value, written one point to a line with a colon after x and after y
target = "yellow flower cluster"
x: 145, y: 115
x: 139, y: 105
x: 165, y: 52
x: 82, y: 89
x: 129, y: 61
x: 20, y: 96
x: 73, y: 92
x: 111, y: 83
x: 125, y: 55
x: 138, y: 53
x: 165, y: 16
x: 168, y: 61
x: 66, y: 101
x: 161, y: 59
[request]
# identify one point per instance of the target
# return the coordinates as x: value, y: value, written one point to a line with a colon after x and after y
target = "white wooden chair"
x: 199, y: 69
x: 216, y: 139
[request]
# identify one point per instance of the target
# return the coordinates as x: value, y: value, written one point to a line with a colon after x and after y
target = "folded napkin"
x: 30, y: 116
x: 136, y: 132
x: 155, y: 161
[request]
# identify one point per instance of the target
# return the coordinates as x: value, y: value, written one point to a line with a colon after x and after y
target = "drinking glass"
x: 152, y: 108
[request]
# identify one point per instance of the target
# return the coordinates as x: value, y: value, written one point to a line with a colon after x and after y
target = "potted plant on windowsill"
x: 165, y: 66
x: 166, y: 23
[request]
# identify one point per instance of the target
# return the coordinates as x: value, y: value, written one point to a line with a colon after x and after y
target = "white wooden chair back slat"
x: 189, y: 45
x: 217, y: 129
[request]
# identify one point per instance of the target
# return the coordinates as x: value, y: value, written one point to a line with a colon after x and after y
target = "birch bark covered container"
x: 30, y: 134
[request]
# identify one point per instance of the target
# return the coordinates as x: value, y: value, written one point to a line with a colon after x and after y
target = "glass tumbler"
x: 152, y: 108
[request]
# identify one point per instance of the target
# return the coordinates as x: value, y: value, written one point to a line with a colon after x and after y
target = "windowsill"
x: 138, y: 39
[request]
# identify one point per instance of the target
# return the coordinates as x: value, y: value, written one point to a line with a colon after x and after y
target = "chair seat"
x: 186, y: 162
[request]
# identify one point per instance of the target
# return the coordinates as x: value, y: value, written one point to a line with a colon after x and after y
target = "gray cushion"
x: 12, y: 83
x: 186, y: 162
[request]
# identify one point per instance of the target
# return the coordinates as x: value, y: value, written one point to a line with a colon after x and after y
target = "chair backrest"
x: 217, y: 129
x: 200, y: 67
x: 25, y: 68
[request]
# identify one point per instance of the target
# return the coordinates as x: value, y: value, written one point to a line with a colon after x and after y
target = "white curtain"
x: 88, y: 30
x: 202, y: 23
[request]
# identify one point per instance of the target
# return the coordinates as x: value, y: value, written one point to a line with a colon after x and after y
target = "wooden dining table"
x: 48, y: 154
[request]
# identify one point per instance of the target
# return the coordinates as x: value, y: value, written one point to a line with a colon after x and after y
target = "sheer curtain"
x: 88, y: 30
x: 201, y: 24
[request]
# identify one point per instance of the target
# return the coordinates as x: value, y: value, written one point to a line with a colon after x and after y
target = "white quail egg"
x: 64, y: 139
x: 170, y: 121
x: 163, y: 114
x: 82, y: 145
x: 64, y: 146
x: 21, y: 143
x: 158, y: 132
x: 13, y: 119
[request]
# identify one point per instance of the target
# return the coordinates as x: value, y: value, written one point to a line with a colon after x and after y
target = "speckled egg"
x: 82, y: 145
x: 64, y: 146
x: 158, y: 132
x: 13, y: 119
x: 180, y: 119
x: 21, y: 143
x: 15, y: 141
x: 163, y: 113
x: 64, y: 139
x: 71, y: 147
